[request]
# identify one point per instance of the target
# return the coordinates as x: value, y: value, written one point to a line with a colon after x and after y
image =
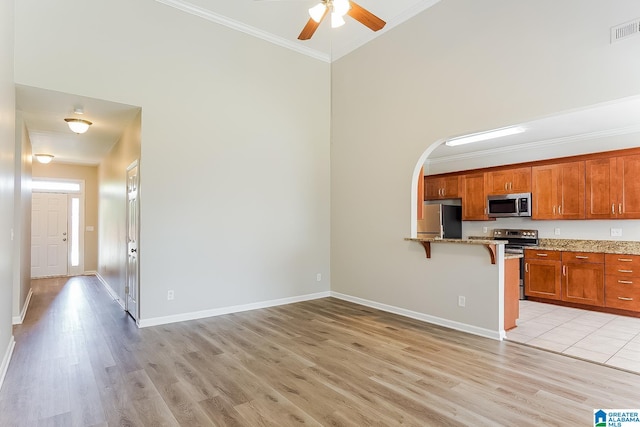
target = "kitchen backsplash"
x: 578, y: 229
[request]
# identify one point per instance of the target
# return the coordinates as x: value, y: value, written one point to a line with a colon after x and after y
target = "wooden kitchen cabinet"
x: 558, y: 191
x: 622, y: 282
x: 542, y: 270
x: 613, y: 188
x: 439, y: 188
x: 474, y: 197
x: 511, y: 292
x: 509, y: 181
x: 583, y: 278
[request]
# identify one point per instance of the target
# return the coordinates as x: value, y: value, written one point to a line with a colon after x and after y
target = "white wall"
x: 459, y: 66
x: 112, y: 176
x: 22, y: 221
x: 235, y: 145
x: 7, y: 144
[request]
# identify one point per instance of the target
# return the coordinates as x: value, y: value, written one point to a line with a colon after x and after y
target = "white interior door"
x: 49, y: 236
x: 132, y: 287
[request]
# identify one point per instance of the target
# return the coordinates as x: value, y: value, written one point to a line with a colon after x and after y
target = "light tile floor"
x: 601, y: 337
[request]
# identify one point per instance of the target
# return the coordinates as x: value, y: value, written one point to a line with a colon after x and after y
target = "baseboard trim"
x: 17, y: 320
x: 6, y: 359
x: 463, y: 327
x: 155, y: 321
x: 110, y: 290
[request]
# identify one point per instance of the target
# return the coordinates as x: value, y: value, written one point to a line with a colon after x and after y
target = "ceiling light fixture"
x: 78, y: 125
x: 44, y: 158
x: 338, y: 9
x: 483, y: 136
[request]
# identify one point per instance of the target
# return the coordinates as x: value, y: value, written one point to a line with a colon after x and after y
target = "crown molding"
x: 348, y: 47
x: 247, y: 29
x: 536, y: 144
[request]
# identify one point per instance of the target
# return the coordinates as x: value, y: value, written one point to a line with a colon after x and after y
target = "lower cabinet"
x: 583, y: 278
x: 586, y: 278
x: 542, y: 274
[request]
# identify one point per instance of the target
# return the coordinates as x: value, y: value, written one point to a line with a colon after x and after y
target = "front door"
x: 131, y: 288
x: 49, y: 239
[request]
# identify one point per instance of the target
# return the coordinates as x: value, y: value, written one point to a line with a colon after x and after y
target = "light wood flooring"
x: 80, y: 361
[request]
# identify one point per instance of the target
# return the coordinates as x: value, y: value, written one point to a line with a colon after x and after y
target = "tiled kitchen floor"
x: 601, y: 337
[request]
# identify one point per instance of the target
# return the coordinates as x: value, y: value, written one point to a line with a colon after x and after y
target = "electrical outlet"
x: 461, y: 301
x: 170, y: 295
x: 556, y: 231
x: 616, y: 232
x: 318, y: 277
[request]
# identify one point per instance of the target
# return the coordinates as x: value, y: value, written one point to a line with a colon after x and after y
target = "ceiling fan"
x: 338, y: 9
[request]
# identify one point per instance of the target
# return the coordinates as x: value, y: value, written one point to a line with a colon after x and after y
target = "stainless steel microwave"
x: 506, y: 205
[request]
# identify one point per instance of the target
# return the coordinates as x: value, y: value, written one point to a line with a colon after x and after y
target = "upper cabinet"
x: 474, y: 197
x: 509, y: 181
x: 558, y: 191
x: 438, y: 188
x: 613, y: 188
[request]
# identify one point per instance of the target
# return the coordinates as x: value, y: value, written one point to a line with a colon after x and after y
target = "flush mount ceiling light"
x: 483, y: 136
x: 44, y: 158
x: 78, y: 125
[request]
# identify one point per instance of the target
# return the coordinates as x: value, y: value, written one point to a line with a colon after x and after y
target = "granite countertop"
x: 463, y: 241
x: 602, y: 246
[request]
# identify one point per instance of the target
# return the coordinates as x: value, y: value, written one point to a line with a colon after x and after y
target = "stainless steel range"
x: 517, y: 241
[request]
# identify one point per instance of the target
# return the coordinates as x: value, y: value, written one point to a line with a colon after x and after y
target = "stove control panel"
x: 505, y: 233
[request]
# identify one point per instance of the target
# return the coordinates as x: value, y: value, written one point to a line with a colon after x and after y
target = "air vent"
x: 623, y: 31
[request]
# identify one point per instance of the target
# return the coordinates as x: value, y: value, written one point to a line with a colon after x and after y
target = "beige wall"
x: 7, y: 152
x: 235, y: 146
x: 458, y: 67
x: 112, y: 175
x: 89, y: 174
x: 22, y: 221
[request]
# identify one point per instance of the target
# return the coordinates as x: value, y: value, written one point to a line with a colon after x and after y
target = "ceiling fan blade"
x: 365, y: 17
x: 311, y: 27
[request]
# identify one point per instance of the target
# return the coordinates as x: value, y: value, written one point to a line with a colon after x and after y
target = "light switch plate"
x: 616, y: 232
x: 556, y: 231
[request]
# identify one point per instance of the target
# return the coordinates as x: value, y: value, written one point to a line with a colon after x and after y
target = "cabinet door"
x: 498, y: 182
x: 474, y: 198
x: 432, y: 188
x: 600, y: 188
x: 451, y: 187
x: 571, y: 177
x: 542, y: 279
x: 583, y: 283
x: 520, y: 180
x: 628, y: 186
x: 544, y: 185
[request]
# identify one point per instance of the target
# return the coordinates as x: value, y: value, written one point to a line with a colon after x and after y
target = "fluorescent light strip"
x: 483, y: 136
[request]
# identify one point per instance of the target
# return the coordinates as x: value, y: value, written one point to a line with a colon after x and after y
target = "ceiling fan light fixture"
x: 44, y: 158
x: 317, y: 12
x: 78, y: 125
x: 483, y: 136
x: 341, y: 7
x: 336, y: 20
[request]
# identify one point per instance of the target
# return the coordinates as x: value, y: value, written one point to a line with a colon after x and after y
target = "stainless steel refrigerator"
x: 441, y: 221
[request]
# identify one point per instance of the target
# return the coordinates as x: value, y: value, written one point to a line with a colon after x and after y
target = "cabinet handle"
x: 620, y: 208
x: 542, y: 255
x: 613, y: 208
x: 625, y: 271
x: 559, y: 209
x: 625, y: 259
x: 506, y: 185
x: 564, y: 270
x: 625, y: 282
x: 510, y: 185
x: 554, y: 209
x: 625, y: 299
x: 582, y: 257
x: 526, y: 267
